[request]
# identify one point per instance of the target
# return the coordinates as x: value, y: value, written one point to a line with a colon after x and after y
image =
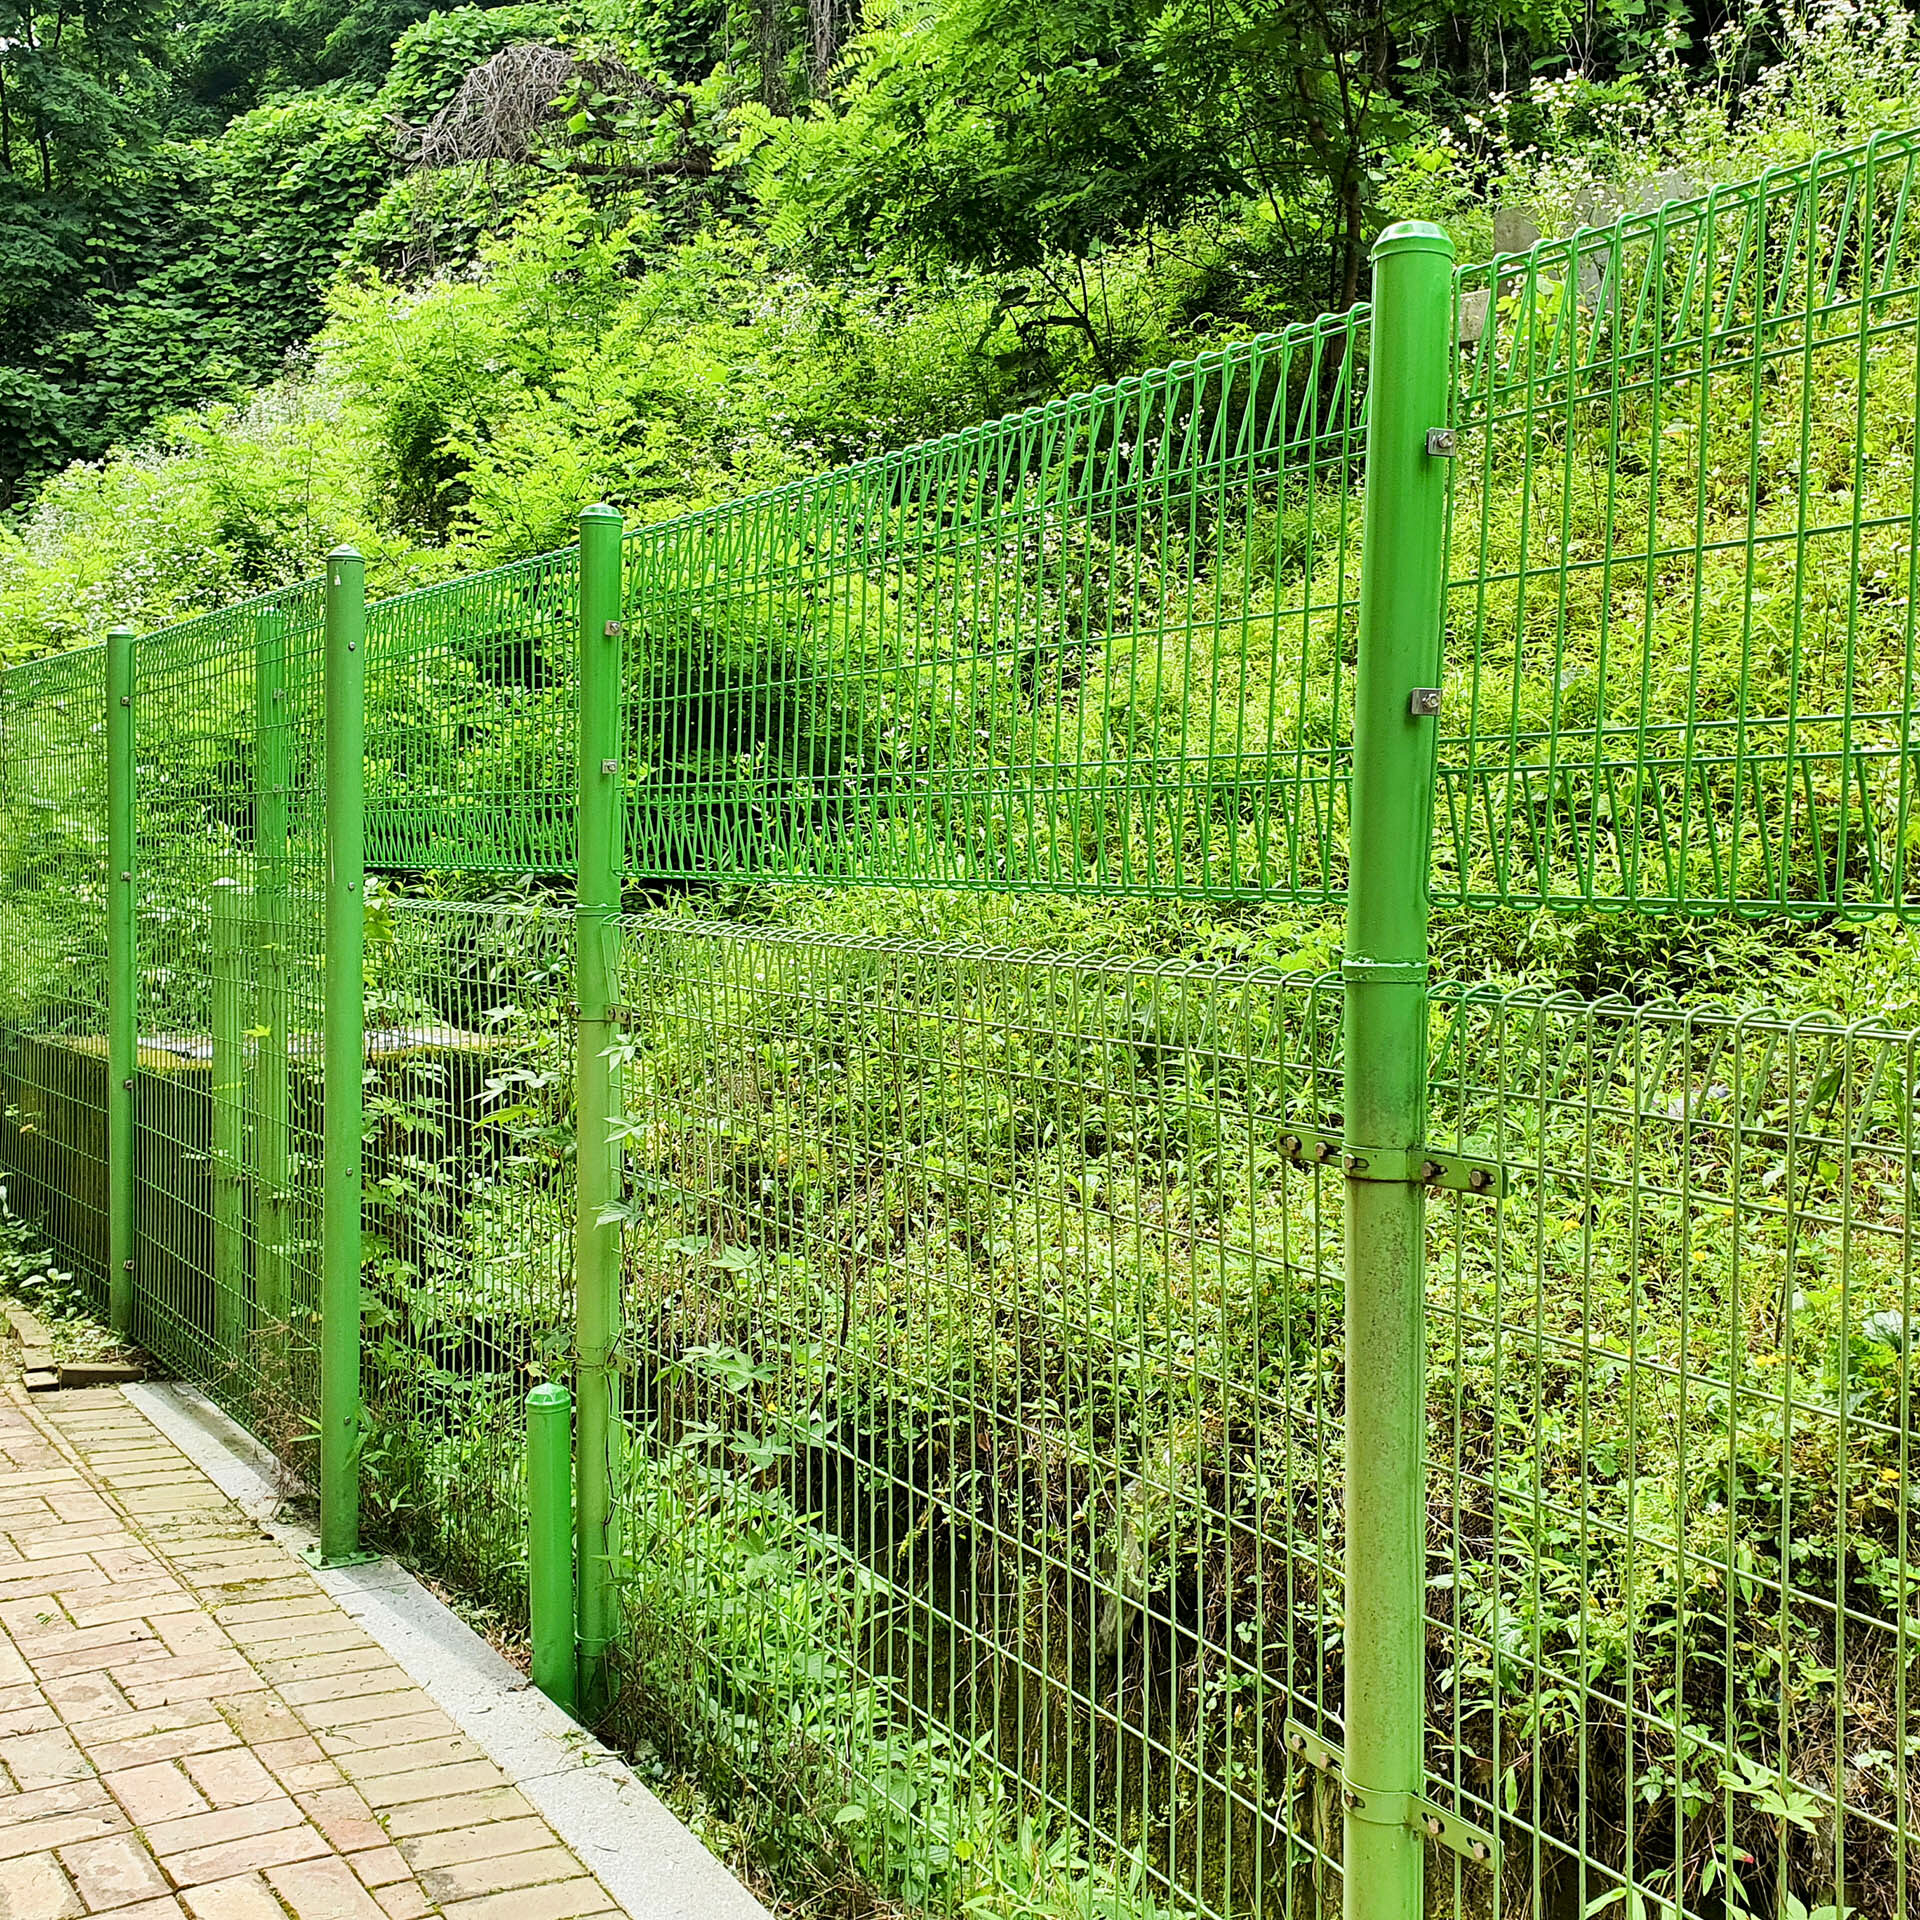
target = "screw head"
x: 1297, y: 1741
x: 1354, y: 1162
x: 1479, y: 1179
x: 1351, y: 1800
x: 1479, y: 1850
x: 1434, y: 1826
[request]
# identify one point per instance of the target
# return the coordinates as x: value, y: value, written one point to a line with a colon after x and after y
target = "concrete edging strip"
x: 591, y: 1798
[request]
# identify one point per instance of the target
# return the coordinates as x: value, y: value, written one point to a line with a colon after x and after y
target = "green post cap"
x: 550, y: 1393
x: 1412, y: 236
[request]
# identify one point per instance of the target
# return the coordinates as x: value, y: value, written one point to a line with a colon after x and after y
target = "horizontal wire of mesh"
x: 1672, y: 1605
x: 1681, y: 614
x: 983, y: 1411
x: 53, y: 956
x: 229, y: 830
x: 1099, y: 645
x: 472, y: 721
x: 467, y: 1291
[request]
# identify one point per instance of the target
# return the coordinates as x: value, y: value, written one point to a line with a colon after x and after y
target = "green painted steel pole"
x: 597, y: 1242
x: 345, y: 1055
x: 272, y: 921
x: 1385, y: 971
x: 122, y: 1031
x: 228, y: 1122
x: 550, y: 1598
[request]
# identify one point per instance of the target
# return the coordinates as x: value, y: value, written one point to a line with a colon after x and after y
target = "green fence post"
x: 1385, y: 972
x: 122, y: 1036
x: 272, y: 921
x: 345, y: 1057
x: 550, y: 1599
x: 228, y: 1123
x: 596, y: 1241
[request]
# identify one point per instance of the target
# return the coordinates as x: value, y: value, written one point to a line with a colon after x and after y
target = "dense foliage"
x: 432, y: 281
x: 883, y: 221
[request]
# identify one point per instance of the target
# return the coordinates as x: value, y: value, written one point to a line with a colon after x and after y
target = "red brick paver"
x: 191, y: 1729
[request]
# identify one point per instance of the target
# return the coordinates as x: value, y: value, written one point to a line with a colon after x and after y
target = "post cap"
x: 550, y: 1393
x: 599, y: 511
x: 120, y: 631
x: 344, y: 552
x: 1412, y: 236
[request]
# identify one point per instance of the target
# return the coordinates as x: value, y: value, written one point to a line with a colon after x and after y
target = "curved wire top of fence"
x: 1105, y: 644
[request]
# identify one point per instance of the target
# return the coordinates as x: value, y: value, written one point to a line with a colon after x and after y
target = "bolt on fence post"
x: 227, y: 1124
x: 272, y: 921
x: 550, y: 1541
x: 122, y: 1038
x: 1402, y: 570
x: 597, y: 1241
x: 345, y: 1060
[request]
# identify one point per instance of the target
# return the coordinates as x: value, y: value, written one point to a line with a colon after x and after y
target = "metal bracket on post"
x: 1411, y: 1810
x: 1422, y: 1166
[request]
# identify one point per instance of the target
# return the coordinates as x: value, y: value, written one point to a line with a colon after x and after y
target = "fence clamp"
x: 1417, y: 1813
x: 1419, y: 1166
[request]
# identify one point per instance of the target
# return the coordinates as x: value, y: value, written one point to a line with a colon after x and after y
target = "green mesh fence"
x: 1671, y: 1594
x: 229, y: 787
x: 985, y: 1397
x: 53, y: 980
x: 468, y: 1283
x: 1102, y: 646
x: 473, y: 722
x: 981, y: 1453
x: 1681, y: 639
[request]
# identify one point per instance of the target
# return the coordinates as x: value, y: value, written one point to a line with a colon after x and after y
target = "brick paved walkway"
x: 190, y: 1726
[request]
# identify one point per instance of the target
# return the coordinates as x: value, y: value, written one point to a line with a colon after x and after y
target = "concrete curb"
x: 591, y: 1798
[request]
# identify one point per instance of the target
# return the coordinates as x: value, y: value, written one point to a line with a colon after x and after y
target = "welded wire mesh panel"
x: 467, y: 1290
x: 1681, y: 627
x: 229, y: 789
x: 472, y: 721
x: 1102, y: 644
x: 1673, y: 1621
x: 982, y: 1487
x: 53, y: 905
